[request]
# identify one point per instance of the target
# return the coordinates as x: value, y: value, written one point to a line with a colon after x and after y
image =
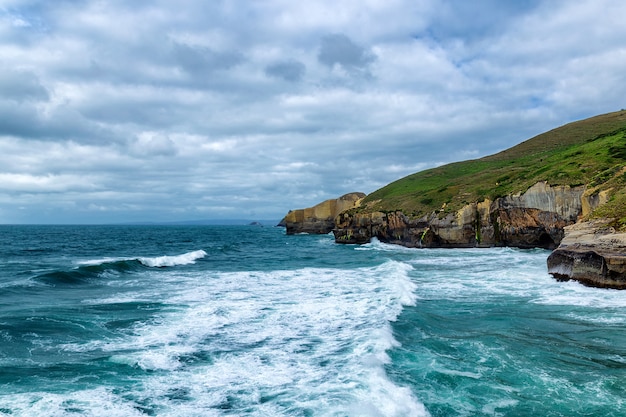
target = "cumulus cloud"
x: 120, y: 111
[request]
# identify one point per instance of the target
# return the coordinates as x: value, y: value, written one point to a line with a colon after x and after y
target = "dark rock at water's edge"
x: 319, y: 219
x: 592, y: 253
x: 543, y: 217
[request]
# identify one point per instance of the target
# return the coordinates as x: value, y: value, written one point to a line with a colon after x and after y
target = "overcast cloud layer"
x: 116, y: 111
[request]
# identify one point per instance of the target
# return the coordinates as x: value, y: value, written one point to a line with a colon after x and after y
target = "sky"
x: 159, y: 111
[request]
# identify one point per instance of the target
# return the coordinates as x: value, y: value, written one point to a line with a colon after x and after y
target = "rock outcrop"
x: 319, y: 219
x: 592, y: 253
x: 535, y: 218
x: 544, y: 216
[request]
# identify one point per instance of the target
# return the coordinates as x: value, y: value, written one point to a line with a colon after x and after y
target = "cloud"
x: 338, y: 49
x: 21, y: 86
x: 201, y: 61
x: 473, y: 22
x: 154, y: 144
x: 287, y: 70
x: 117, y: 111
x: 42, y: 183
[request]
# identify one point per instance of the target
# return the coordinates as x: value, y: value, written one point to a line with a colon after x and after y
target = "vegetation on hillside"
x: 589, y: 152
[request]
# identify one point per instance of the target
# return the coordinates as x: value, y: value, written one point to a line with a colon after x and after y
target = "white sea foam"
x: 101, y: 261
x: 97, y: 403
x: 184, y: 259
x: 279, y: 342
x: 155, y: 262
x: 480, y: 273
x: 377, y: 245
x: 572, y: 293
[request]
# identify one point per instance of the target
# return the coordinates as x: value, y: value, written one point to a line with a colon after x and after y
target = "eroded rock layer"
x: 535, y: 218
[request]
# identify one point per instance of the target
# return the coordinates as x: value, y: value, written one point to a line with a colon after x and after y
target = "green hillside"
x: 590, y: 152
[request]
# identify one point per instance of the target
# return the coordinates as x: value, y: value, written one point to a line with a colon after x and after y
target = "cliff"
x: 535, y: 218
x: 319, y: 219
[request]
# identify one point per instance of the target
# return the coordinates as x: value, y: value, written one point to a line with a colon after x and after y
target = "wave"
x: 152, y: 262
x: 163, y: 261
x: 99, y: 268
x: 377, y: 245
x: 309, y: 341
x: 88, y: 272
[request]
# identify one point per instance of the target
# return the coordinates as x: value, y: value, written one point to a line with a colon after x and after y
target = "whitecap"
x: 163, y: 261
x: 573, y: 293
x: 153, y: 262
x: 376, y: 245
x: 102, y: 261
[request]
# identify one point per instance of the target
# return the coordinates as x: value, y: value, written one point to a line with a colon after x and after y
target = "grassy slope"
x: 591, y: 152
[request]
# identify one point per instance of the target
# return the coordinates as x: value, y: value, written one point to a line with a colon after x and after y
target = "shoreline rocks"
x: 591, y: 253
x: 543, y: 217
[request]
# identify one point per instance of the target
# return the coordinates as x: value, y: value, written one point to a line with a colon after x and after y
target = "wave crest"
x: 164, y: 261
x: 98, y: 268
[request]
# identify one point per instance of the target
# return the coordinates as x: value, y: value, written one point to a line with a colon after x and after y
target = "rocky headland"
x: 319, y: 219
x: 564, y: 190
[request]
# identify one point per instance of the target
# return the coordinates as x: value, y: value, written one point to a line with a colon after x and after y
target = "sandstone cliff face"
x: 591, y: 253
x: 319, y: 219
x: 533, y: 219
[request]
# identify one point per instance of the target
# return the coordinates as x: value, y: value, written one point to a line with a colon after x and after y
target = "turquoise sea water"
x: 246, y: 321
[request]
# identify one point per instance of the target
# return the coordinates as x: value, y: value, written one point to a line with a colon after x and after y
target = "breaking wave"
x: 102, y: 268
x: 163, y: 261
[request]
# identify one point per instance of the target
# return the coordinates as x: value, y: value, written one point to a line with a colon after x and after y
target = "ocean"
x: 247, y: 321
